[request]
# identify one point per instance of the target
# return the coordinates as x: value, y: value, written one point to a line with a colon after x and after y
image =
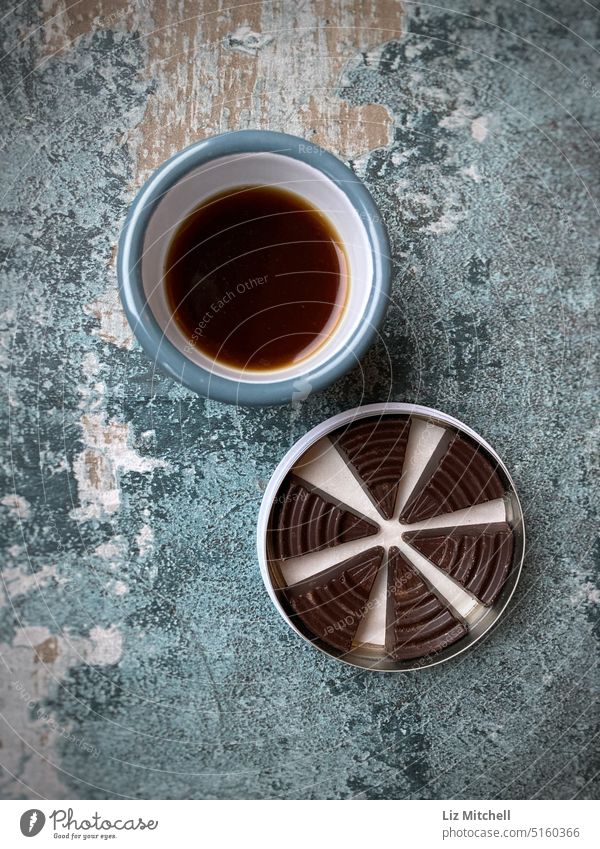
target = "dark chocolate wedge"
x: 304, y: 520
x: 374, y: 450
x: 477, y: 556
x: 458, y: 475
x: 418, y: 622
x: 332, y: 603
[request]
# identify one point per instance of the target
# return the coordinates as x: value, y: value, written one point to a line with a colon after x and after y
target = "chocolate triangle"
x: 331, y: 604
x: 374, y: 450
x: 304, y: 520
x: 418, y: 622
x: 458, y: 475
x: 478, y: 556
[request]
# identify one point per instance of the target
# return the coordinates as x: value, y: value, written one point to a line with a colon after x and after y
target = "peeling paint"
x: 16, y: 581
x: 480, y: 128
x: 18, y: 506
x: 247, y: 41
x: 258, y: 86
x: 107, y: 451
x: 34, y: 664
x: 46, y: 651
x: 105, y: 646
x: 108, y: 311
x: 145, y: 540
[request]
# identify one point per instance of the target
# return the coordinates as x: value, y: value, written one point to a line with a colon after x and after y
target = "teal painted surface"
x: 141, y: 654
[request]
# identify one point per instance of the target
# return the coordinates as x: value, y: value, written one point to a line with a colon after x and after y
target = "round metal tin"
x: 373, y: 657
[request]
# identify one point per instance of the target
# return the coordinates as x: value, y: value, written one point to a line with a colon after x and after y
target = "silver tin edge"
x: 321, y: 430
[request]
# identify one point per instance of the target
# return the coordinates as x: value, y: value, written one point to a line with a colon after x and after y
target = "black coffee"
x: 256, y: 277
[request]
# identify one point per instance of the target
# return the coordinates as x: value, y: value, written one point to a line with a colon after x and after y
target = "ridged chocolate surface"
x: 418, y: 623
x: 304, y: 520
x: 332, y: 603
x: 463, y: 477
x: 479, y: 557
x: 375, y: 449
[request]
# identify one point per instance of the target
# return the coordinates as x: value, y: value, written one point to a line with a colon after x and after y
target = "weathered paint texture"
x: 140, y: 655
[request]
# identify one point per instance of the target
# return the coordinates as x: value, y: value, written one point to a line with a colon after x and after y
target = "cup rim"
x: 165, y: 355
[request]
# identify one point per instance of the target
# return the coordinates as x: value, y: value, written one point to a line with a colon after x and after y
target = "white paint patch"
x: 33, y: 666
x: 90, y: 364
x: 105, y: 646
x: 113, y: 549
x: 107, y: 451
x: 479, y: 128
x: 16, y: 582
x: 400, y: 157
x: 360, y: 164
x: 371, y: 58
x: 460, y: 117
x: 18, y: 506
x: 448, y: 221
x: 145, y: 540
x: 120, y: 588
x: 107, y: 309
x: 414, y: 49
x: 97, y: 486
x: 438, y: 201
x: 245, y: 40
x: 472, y: 173
x: 588, y: 593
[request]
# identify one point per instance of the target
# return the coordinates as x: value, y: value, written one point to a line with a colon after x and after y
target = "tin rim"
x: 475, y: 633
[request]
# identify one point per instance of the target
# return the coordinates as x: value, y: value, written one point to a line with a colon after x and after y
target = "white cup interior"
x: 266, y: 169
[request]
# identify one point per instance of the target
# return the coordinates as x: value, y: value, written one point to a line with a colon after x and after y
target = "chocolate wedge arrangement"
x: 306, y: 520
x: 418, y: 621
x: 458, y: 475
x: 332, y: 603
x: 375, y: 451
x: 329, y: 606
x: 478, y: 556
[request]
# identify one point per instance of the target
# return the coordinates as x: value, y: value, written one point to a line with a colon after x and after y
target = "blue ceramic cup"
x: 231, y: 160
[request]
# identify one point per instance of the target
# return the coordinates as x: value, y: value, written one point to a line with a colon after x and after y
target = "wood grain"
x: 227, y: 65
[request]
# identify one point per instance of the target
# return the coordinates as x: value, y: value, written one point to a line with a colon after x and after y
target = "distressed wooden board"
x: 232, y: 65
